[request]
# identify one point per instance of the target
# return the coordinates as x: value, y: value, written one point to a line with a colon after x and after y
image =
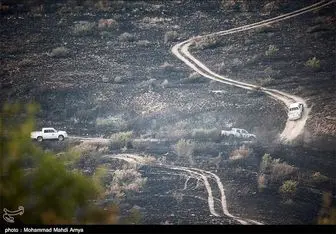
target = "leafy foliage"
x: 288, y: 188
x: 39, y: 181
x: 313, y: 63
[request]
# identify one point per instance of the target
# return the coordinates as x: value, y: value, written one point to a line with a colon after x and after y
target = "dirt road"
x: 293, y: 128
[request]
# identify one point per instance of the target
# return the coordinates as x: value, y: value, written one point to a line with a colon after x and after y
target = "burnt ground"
x: 79, y: 88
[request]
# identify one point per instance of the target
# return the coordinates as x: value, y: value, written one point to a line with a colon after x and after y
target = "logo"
x: 8, y: 214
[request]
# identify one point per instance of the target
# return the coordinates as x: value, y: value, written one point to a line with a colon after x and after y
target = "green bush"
x: 39, y: 181
x: 266, y: 163
x: 272, y: 50
x: 121, y: 139
x: 313, y: 63
x: 288, y: 188
x: 170, y: 36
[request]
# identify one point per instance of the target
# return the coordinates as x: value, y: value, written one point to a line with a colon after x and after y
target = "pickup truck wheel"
x: 60, y: 138
x: 231, y: 137
x: 39, y: 139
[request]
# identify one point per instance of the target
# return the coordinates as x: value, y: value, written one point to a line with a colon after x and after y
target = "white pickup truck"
x: 238, y: 133
x: 295, y: 111
x: 48, y: 134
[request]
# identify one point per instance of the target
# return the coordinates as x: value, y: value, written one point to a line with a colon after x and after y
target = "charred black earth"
x: 94, y: 77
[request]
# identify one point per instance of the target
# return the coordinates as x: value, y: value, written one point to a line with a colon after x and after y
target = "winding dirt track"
x: 293, y: 128
x: 199, y: 175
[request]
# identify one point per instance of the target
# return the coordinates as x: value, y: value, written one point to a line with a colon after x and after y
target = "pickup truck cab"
x: 295, y: 111
x: 48, y: 134
x: 238, y: 133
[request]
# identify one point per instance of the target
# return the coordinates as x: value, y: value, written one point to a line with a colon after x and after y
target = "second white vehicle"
x: 48, y: 134
x: 295, y: 111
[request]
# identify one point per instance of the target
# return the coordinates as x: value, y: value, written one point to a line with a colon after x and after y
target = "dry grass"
x: 242, y: 152
x: 262, y: 182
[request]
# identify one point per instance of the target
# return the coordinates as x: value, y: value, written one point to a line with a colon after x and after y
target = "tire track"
x: 197, y: 174
x: 293, y: 128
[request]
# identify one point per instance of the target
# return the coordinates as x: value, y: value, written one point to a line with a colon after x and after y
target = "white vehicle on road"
x: 295, y: 111
x: 48, y: 134
x: 238, y: 133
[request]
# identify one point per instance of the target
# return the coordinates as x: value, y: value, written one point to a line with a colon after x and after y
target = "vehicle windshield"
x: 294, y: 109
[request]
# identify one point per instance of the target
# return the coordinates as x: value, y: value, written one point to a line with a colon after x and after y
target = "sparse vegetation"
x: 119, y: 79
x: 121, y: 139
x: 206, y: 134
x: 126, y: 37
x: 107, y: 24
x: 313, y: 63
x: 193, y: 78
x: 144, y: 43
x: 275, y: 170
x: 317, y: 177
x: 114, y: 122
x: 84, y: 28
x: 242, y: 152
x: 170, y: 36
x: 262, y: 182
x: 125, y: 181
x: 272, y: 50
x: 185, y: 150
x: 206, y: 42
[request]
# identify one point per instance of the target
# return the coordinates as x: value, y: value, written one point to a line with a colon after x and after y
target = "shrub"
x: 242, y: 152
x: 280, y: 171
x: 120, y: 140
x: 125, y: 181
x: 317, y: 177
x: 119, y: 79
x: 127, y: 37
x: 262, y: 183
x: 207, y: 42
x: 170, y: 36
x: 109, y: 24
x: 265, y: 81
x: 276, y: 170
x: 84, y: 28
x: 144, y: 43
x: 206, y: 134
x: 266, y: 163
x: 117, y: 122
x: 193, y: 77
x: 59, y: 52
x: 288, y: 188
x: 272, y: 49
x: 167, y: 67
x: 185, y: 150
x: 313, y: 63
